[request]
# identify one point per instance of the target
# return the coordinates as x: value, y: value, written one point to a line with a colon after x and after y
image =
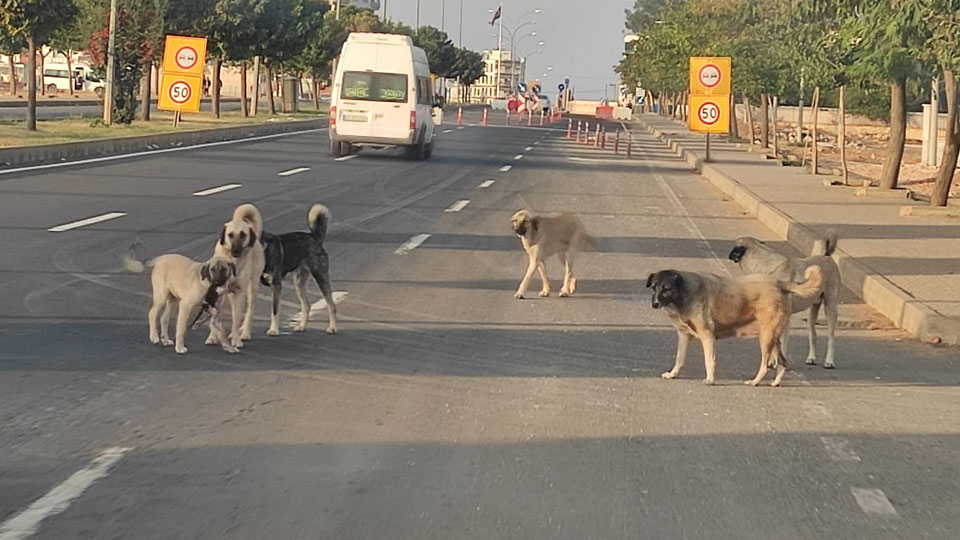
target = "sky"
x: 582, y: 39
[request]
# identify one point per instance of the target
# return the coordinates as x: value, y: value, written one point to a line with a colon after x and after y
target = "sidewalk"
x: 907, y: 268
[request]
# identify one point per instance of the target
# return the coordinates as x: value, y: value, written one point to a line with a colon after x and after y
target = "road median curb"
x: 19, y: 156
x: 874, y: 289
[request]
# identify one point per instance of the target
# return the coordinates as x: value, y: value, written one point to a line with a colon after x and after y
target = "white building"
x: 485, y: 88
x: 363, y: 4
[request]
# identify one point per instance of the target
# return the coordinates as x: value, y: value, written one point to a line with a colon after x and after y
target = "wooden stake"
x: 815, y: 150
x: 750, y: 126
x: 842, y: 136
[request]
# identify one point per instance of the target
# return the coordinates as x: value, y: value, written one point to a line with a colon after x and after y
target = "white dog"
x: 240, y: 242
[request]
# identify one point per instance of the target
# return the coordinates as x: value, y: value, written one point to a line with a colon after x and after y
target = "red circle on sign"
x: 714, y: 71
x: 186, y: 57
x: 708, y: 113
x: 180, y: 92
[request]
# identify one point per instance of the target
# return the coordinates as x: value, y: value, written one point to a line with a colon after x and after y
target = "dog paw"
x: 246, y: 335
x: 564, y: 293
x: 751, y: 382
x: 273, y: 332
x: 544, y: 294
x: 238, y: 343
x: 181, y: 350
x: 811, y: 361
x: 331, y: 330
x: 300, y: 328
x: 155, y: 340
x: 775, y: 384
x: 166, y: 342
x: 828, y: 365
x: 708, y: 382
x: 518, y: 296
x: 211, y: 341
x: 668, y: 375
x: 231, y: 349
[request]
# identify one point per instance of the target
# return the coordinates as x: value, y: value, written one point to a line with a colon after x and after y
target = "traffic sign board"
x: 179, y: 92
x: 522, y: 87
x: 560, y: 87
x: 709, y: 114
x: 709, y: 75
x: 184, y: 55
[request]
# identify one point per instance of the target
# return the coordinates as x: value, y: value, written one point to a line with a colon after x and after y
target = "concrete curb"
x: 52, y: 153
x: 876, y: 290
x: 67, y: 101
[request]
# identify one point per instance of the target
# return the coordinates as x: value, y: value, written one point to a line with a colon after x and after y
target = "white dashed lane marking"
x: 218, y: 189
x: 506, y: 168
x: 411, y: 244
x: 518, y: 157
x: 345, y: 158
x: 874, y: 502
x: 85, y: 222
x: 320, y: 306
x: 487, y: 183
x: 292, y: 172
x: 448, y: 131
x: 457, y: 206
x: 527, y: 149
x: 58, y: 499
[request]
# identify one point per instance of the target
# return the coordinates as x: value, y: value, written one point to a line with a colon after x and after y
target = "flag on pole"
x: 496, y: 15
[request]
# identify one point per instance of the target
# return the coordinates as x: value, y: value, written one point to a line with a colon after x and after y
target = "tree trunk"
x: 842, y: 135
x: 31, y: 76
x: 774, y: 102
x: 684, y: 99
x: 255, y: 100
x: 70, y: 77
x: 764, y: 121
x: 750, y: 126
x: 316, y: 93
x: 734, y: 128
x: 13, y: 77
x: 898, y: 134
x: 43, y: 80
x: 243, y: 89
x: 270, y: 100
x: 951, y: 150
x: 814, y: 132
x: 145, y: 91
x: 217, y: 65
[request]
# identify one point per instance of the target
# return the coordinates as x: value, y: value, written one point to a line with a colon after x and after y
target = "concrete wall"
x: 830, y: 116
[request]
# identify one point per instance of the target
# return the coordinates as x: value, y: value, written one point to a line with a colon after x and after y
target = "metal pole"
x: 708, y: 149
x: 500, y: 56
x: 338, y: 9
x: 460, y: 34
x: 418, y: 18
x: 111, y: 64
x: 384, y: 10
x: 443, y: 14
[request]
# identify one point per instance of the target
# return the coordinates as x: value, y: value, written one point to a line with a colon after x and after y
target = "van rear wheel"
x: 336, y: 148
x: 417, y: 152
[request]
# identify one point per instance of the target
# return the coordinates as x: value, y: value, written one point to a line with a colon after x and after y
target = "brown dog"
x: 712, y: 307
x: 558, y: 234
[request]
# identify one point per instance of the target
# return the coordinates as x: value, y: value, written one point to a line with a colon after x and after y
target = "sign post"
x: 710, y: 87
x: 181, y: 86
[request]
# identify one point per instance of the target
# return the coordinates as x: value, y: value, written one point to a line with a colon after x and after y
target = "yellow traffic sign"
x: 709, y: 114
x: 184, y: 55
x: 180, y: 92
x: 710, y: 75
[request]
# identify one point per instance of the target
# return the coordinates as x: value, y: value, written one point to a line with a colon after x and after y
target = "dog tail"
x: 809, y: 288
x: 130, y: 261
x: 318, y: 218
x: 829, y: 242
x: 249, y: 213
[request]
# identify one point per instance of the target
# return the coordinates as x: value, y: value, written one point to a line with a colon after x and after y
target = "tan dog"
x: 712, y: 307
x: 177, y: 279
x: 240, y: 242
x: 753, y: 256
x: 558, y: 234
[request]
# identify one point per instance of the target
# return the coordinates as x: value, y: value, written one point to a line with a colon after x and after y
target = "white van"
x: 56, y: 77
x: 382, y: 96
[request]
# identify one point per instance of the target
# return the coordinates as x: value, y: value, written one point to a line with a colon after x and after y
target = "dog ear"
x: 678, y: 281
x: 205, y: 272
x: 650, y: 280
x: 253, y: 238
x: 223, y: 235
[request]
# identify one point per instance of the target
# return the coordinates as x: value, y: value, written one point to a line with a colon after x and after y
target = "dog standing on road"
x: 301, y: 253
x: 177, y: 279
x: 561, y: 234
x: 240, y: 242
x: 712, y: 307
x: 753, y: 256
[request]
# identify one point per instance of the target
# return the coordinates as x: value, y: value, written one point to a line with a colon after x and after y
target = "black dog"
x: 301, y: 253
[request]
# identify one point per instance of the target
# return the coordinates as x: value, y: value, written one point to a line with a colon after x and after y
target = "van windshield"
x: 371, y: 86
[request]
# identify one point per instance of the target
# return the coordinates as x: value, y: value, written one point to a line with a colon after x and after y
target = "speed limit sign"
x: 709, y: 114
x: 179, y: 93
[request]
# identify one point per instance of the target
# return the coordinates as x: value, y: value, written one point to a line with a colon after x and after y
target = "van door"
x: 391, y: 118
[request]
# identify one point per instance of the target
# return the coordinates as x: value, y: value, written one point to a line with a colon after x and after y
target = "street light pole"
x: 460, y: 34
x: 338, y: 9
x: 499, y: 52
x: 418, y: 18
x: 111, y: 63
x: 443, y: 15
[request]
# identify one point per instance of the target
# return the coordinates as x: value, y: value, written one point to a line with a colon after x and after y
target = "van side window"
x: 424, y: 91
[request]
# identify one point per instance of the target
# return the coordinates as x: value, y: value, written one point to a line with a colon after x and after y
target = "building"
x: 486, y: 88
x: 363, y: 4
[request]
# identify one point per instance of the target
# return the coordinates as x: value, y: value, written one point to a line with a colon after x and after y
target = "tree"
x: 9, y: 46
x: 468, y: 68
x: 943, y: 16
x: 34, y: 21
x: 441, y: 53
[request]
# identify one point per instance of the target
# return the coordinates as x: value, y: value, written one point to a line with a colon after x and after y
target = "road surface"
x: 444, y: 408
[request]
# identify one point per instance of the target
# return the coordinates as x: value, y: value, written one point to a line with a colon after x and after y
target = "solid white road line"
x: 536, y: 143
x: 153, y: 152
x: 506, y: 168
x: 527, y: 149
x: 411, y: 244
x: 292, y: 172
x: 457, y: 206
x: 85, y: 222
x: 26, y: 523
x: 218, y: 189
x: 448, y: 131
x: 345, y: 158
x: 518, y: 157
x: 320, y: 305
x: 595, y: 160
x: 874, y: 501
x: 487, y: 183
x: 839, y: 449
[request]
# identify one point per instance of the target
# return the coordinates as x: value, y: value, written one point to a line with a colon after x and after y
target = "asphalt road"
x: 444, y: 408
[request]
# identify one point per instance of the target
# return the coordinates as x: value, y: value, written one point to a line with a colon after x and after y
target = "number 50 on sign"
x: 709, y: 114
x: 180, y: 92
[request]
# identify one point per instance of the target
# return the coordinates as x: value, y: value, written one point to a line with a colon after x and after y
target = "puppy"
x: 210, y: 313
x: 301, y: 253
x: 712, y: 307
x: 753, y: 256
x: 240, y: 242
x: 176, y: 278
x: 561, y: 234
